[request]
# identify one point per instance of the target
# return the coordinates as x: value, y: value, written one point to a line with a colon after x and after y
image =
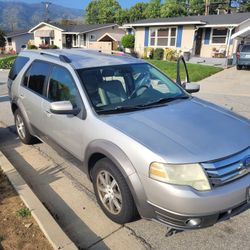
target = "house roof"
x: 16, y: 33
x: 79, y: 28
x: 223, y: 19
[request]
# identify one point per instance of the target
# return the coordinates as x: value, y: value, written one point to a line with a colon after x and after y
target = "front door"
x: 68, y: 41
x: 198, y: 42
x: 64, y: 130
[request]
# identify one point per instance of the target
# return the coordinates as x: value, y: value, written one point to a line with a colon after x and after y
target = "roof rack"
x: 109, y: 52
x: 62, y: 58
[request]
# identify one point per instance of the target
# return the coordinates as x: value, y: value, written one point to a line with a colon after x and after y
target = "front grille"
x: 228, y: 169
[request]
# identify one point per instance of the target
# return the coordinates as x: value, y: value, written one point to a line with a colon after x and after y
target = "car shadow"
x: 41, y: 182
x: 4, y: 98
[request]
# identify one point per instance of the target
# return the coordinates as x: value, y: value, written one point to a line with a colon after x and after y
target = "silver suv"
x: 148, y: 146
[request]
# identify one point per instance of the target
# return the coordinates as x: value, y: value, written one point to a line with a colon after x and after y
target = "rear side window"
x: 17, y: 66
x: 246, y: 48
x: 35, y: 78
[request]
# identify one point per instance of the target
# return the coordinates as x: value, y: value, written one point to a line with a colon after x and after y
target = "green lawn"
x: 197, y: 72
x: 7, y: 62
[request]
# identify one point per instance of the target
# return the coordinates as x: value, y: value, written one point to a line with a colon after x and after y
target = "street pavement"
x: 68, y: 194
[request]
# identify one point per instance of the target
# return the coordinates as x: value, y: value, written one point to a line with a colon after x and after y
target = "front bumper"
x: 243, y: 62
x: 177, y: 205
x: 181, y: 222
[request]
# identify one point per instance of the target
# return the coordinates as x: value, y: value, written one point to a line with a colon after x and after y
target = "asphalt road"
x: 68, y: 194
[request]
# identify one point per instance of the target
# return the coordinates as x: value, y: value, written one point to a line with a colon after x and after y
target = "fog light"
x: 193, y: 222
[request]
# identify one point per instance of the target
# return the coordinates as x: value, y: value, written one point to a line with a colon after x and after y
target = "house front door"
x: 68, y: 41
x: 198, y: 42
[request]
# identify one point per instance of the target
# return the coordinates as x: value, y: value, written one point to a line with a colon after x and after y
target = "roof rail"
x: 115, y: 52
x: 62, y: 58
x: 110, y: 52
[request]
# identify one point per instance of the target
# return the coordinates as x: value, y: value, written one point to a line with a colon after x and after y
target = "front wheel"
x: 22, y: 129
x: 112, y: 192
x: 239, y: 67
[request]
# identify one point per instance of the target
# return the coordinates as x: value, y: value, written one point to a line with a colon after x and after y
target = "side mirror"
x: 191, y: 87
x: 63, y: 108
x: 187, y: 85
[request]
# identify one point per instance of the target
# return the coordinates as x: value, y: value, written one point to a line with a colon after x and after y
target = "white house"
x: 15, y: 41
x: 96, y: 36
x: 204, y: 36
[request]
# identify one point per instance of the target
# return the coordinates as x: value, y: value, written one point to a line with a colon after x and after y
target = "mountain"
x: 19, y: 16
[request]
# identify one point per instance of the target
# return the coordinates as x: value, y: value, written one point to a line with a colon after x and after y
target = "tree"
x: 172, y: 9
x: 122, y: 16
x: 197, y: 7
x: 2, y: 39
x: 102, y: 11
x: 137, y: 12
x: 153, y: 9
x: 92, y: 12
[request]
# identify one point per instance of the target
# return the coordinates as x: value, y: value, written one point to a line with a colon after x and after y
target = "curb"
x: 55, y: 235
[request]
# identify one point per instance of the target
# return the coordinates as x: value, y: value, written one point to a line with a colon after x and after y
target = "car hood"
x: 185, y: 131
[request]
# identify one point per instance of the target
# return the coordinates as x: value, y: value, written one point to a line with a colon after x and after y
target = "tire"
x: 22, y: 129
x: 239, y: 67
x: 119, y: 195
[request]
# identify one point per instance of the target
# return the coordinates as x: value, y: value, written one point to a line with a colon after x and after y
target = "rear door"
x: 65, y: 130
x: 32, y: 91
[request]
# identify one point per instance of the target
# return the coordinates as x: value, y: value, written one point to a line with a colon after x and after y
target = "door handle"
x: 22, y: 96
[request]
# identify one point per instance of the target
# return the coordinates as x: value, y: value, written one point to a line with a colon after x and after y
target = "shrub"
x: 158, y: 54
x: 53, y: 47
x: 31, y: 46
x: 128, y: 41
x: 6, y: 63
x: 170, y: 54
x: 148, y: 53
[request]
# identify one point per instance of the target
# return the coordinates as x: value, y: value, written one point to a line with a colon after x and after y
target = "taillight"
x: 238, y: 55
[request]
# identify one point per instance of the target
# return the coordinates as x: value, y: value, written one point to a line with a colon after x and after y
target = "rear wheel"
x: 239, y: 67
x: 22, y: 129
x: 112, y: 192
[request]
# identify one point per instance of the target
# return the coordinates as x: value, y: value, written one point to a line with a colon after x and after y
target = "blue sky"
x: 80, y: 4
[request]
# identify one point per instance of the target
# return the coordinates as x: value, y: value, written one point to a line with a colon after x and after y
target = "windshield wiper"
x: 117, y: 109
x: 163, y: 100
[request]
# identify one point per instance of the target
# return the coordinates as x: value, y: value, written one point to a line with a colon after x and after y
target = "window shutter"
x: 179, y: 36
x: 207, y: 35
x: 146, y: 36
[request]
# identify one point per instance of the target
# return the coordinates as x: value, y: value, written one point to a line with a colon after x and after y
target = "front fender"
x: 123, y: 163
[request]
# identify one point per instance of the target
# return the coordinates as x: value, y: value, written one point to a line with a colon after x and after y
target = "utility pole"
x: 207, y: 7
x: 46, y: 5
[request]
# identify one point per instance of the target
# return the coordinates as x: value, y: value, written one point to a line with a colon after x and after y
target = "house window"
x: 92, y: 37
x: 219, y: 36
x: 9, y: 41
x: 163, y: 37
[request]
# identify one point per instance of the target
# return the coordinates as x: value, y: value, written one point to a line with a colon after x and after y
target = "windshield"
x: 128, y: 87
x: 245, y: 48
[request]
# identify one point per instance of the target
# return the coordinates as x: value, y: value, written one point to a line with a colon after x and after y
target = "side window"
x: 61, y: 86
x: 37, y: 76
x: 17, y: 66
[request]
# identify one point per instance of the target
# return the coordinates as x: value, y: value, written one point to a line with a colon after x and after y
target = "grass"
x: 197, y: 72
x: 7, y: 62
x: 23, y: 212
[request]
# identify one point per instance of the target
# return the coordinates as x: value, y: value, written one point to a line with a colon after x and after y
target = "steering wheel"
x: 145, y: 77
x: 137, y: 89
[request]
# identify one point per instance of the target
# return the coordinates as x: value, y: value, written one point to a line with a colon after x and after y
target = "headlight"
x: 187, y: 174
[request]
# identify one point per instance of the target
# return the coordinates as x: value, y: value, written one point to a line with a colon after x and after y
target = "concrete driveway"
x: 229, y: 88
x: 68, y: 194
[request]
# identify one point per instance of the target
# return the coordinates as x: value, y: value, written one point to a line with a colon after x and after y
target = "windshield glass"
x: 128, y: 87
x: 246, y: 48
